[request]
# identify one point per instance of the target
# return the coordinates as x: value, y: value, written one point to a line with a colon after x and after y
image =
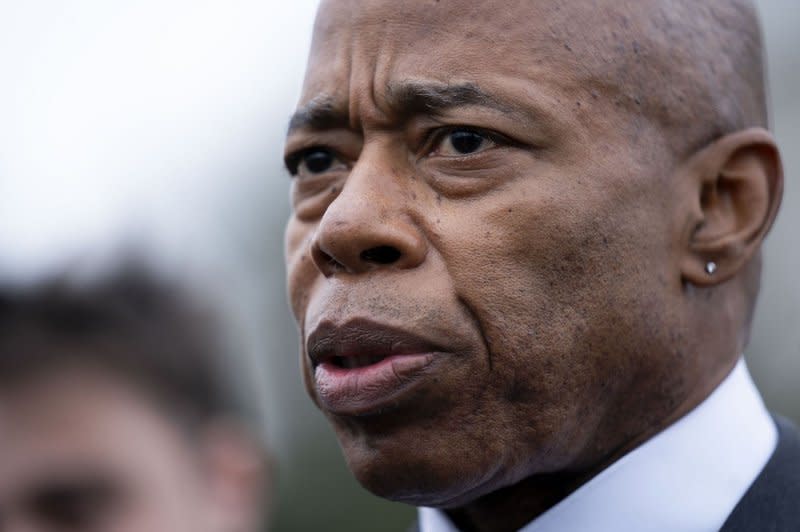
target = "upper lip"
x: 360, y: 337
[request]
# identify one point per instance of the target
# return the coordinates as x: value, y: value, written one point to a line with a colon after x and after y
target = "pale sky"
x: 132, y: 119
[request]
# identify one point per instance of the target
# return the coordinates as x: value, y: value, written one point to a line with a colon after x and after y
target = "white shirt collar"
x: 689, y: 477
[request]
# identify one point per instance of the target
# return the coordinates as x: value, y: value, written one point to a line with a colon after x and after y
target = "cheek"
x: 300, y: 270
x: 554, y: 285
x: 531, y: 261
x: 543, y: 256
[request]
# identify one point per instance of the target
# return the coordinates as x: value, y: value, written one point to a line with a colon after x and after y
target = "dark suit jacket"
x: 772, y: 503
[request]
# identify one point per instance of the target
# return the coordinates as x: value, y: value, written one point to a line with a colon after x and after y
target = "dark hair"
x: 144, y: 330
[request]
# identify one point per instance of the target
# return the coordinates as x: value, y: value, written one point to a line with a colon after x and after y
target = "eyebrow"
x: 406, y: 99
x: 412, y: 98
x: 320, y: 113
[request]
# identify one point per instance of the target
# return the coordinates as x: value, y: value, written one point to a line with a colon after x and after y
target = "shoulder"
x: 772, y: 503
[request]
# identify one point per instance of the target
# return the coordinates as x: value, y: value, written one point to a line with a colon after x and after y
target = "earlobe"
x: 738, y: 182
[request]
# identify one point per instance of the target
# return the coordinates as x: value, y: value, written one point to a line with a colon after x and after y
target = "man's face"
x: 83, y: 451
x: 479, y: 253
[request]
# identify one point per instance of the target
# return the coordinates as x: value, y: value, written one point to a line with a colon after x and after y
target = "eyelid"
x: 435, y: 136
x: 293, y: 159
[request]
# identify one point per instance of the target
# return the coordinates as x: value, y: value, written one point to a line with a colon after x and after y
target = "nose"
x: 368, y: 226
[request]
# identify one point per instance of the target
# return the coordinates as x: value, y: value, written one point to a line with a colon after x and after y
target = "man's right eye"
x: 313, y: 161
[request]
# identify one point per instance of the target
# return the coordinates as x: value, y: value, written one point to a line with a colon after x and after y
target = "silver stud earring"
x: 711, y: 267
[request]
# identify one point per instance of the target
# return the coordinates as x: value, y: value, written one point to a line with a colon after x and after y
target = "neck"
x: 511, y: 508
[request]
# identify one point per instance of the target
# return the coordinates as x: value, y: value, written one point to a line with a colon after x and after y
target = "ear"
x: 737, y: 188
x: 238, y: 470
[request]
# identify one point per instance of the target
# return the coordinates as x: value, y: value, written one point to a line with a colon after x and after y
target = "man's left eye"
x: 463, y: 141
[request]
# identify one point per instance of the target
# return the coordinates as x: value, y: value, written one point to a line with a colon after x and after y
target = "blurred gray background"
x: 159, y: 125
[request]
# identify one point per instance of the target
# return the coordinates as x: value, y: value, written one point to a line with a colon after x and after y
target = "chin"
x: 418, y: 470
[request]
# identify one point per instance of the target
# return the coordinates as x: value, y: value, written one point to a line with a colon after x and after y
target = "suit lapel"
x: 772, y: 503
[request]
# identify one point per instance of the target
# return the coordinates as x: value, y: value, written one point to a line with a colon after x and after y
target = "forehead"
x: 451, y: 21
x: 539, y: 55
x: 373, y: 42
x: 78, y: 415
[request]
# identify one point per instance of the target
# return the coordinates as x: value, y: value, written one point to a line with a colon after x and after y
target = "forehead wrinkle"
x: 404, y: 99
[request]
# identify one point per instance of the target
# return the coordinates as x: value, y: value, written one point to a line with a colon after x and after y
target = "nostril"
x: 325, y: 262
x: 381, y: 255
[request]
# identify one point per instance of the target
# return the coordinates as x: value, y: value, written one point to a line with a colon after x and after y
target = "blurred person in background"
x: 524, y: 259
x: 118, y: 412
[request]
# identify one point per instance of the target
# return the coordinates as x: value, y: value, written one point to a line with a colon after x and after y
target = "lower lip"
x: 369, y: 389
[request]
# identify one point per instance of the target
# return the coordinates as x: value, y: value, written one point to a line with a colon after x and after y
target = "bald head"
x: 694, y: 69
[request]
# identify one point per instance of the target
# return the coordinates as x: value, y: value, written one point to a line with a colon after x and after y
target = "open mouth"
x: 360, y: 344
x: 358, y: 361
x: 362, y: 367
